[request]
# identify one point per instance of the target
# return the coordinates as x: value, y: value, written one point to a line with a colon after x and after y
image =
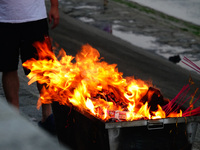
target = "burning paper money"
x: 91, y: 84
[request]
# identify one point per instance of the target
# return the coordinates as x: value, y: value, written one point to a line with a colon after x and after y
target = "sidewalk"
x: 19, y: 134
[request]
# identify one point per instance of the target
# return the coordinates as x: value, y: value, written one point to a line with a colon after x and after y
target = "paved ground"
x: 171, y: 37
x: 132, y: 61
x: 19, y: 134
x: 128, y: 17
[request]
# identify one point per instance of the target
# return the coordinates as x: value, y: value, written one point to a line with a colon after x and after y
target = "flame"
x: 89, y: 84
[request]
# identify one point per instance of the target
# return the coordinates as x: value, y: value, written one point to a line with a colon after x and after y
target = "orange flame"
x: 89, y: 84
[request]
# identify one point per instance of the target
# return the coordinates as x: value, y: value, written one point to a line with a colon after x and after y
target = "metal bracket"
x: 155, y: 124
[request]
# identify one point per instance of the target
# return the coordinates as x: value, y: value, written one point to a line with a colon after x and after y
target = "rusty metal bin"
x: 82, y: 131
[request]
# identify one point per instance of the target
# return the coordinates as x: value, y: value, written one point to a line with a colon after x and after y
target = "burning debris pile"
x: 95, y: 86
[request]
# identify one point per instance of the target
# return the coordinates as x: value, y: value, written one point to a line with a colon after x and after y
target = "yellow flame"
x: 89, y: 84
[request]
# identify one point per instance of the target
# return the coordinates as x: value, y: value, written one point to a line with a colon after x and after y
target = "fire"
x: 91, y: 84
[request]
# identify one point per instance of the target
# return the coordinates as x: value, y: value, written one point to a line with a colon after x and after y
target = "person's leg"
x: 10, y: 82
x: 48, y: 121
x: 33, y: 32
x: 46, y: 108
x: 9, y: 58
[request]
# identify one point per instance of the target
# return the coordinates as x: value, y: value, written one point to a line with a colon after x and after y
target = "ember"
x: 95, y: 86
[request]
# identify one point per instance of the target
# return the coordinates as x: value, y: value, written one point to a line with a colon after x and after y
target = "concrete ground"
x: 71, y: 34
x: 17, y: 133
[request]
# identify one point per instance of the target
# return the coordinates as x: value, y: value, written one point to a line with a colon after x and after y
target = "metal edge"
x: 137, y: 123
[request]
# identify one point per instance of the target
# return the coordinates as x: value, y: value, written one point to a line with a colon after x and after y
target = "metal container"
x: 84, y: 131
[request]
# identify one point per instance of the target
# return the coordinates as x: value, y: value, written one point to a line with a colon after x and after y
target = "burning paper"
x: 91, y: 84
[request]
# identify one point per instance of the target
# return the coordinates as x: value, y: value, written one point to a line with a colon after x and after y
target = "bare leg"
x: 46, y: 111
x: 47, y: 122
x: 10, y: 82
x: 46, y: 108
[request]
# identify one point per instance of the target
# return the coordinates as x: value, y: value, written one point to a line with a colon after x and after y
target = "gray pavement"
x: 17, y: 133
x: 126, y: 17
x: 71, y: 34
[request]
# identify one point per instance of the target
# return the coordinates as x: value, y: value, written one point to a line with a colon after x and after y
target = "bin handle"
x: 155, y: 124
